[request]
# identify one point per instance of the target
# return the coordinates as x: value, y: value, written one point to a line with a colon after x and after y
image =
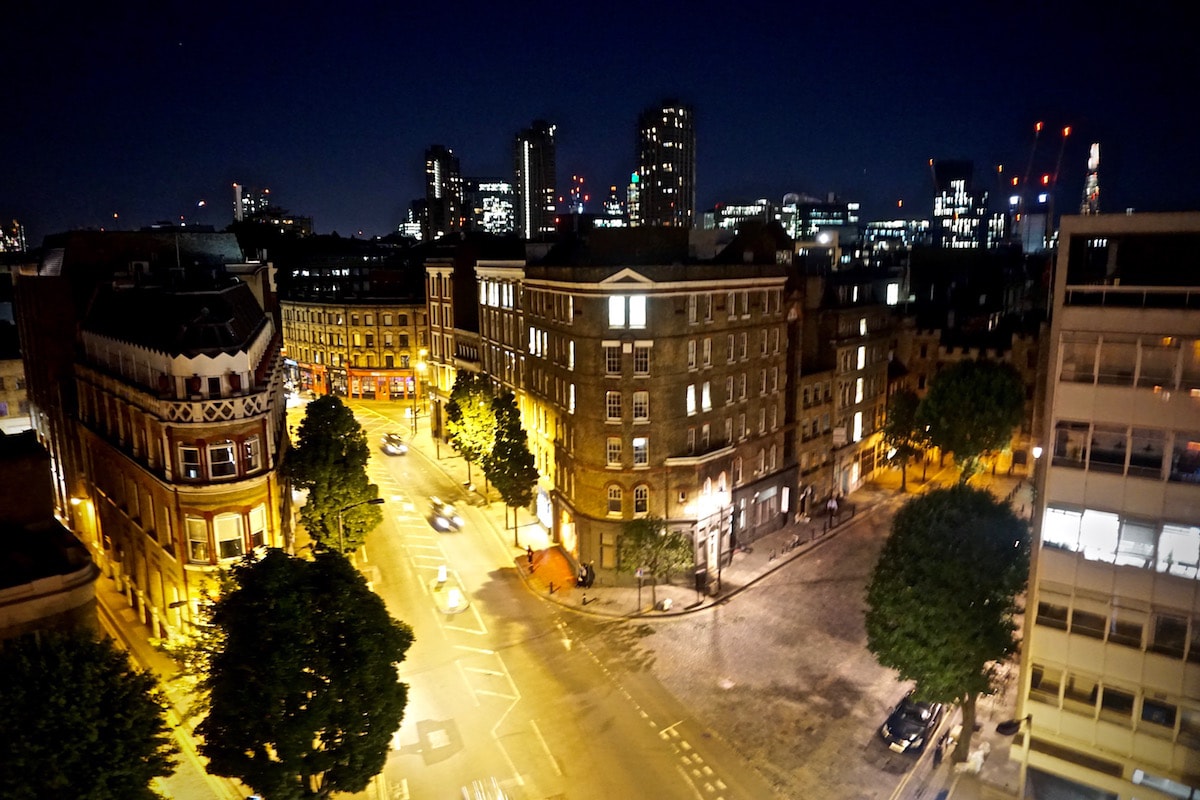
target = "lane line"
x: 538, y: 732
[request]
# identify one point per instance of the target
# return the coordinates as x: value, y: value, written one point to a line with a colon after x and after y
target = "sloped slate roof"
x: 178, y: 322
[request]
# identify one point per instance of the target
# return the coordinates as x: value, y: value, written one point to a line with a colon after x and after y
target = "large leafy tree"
x: 942, y: 597
x: 330, y: 461
x: 470, y: 420
x: 646, y: 544
x: 302, y: 693
x: 902, y: 430
x: 973, y: 407
x: 79, y: 721
x: 510, y: 465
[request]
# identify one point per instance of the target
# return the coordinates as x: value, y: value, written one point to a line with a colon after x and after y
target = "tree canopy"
x: 973, y: 407
x: 942, y: 598
x: 470, y: 420
x: 330, y: 461
x: 902, y: 430
x: 510, y: 465
x: 303, y: 697
x: 646, y: 544
x: 79, y: 721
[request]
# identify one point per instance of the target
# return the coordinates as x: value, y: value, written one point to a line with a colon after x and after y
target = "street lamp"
x: 418, y: 376
x: 374, y: 501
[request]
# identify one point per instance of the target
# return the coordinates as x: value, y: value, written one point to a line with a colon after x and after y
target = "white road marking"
x: 553, y: 761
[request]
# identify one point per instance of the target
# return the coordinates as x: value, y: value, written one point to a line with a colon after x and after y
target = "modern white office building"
x: 1110, y: 680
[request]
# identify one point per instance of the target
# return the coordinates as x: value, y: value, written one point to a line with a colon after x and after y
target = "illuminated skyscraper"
x: 489, y: 205
x: 443, y: 193
x: 1091, y: 188
x: 959, y: 212
x: 666, y: 166
x: 534, y: 162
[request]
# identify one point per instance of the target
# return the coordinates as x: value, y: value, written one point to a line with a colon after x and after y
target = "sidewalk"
x: 550, y: 573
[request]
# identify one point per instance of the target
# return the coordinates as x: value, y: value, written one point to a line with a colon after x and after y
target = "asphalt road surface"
x: 505, y: 685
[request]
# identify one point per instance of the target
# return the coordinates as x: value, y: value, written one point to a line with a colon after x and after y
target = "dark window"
x: 1085, y: 623
x: 1052, y: 616
x: 1170, y: 635
x: 1157, y: 712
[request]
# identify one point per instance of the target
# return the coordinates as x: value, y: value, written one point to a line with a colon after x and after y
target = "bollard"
x: 551, y: 587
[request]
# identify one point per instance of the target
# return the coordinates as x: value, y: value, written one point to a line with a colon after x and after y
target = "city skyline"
x: 149, y: 112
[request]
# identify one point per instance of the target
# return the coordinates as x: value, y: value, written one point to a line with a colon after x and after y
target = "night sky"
x: 147, y: 110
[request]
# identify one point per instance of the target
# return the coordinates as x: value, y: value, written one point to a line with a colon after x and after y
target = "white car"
x: 393, y: 444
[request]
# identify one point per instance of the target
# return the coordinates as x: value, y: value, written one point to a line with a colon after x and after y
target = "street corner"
x: 448, y: 595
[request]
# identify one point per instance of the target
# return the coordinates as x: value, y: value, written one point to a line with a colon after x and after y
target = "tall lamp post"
x: 418, y: 376
x: 374, y: 501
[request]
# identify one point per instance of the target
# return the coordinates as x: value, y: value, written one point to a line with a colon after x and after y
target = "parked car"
x: 393, y: 444
x: 443, y: 516
x: 911, y: 724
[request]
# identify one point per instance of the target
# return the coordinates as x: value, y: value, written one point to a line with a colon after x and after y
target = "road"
x: 510, y: 686
x: 783, y: 672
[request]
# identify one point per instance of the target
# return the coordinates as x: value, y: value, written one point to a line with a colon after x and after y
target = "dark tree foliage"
x: 330, y: 461
x: 510, y: 465
x: 902, y: 430
x: 471, y: 422
x: 303, y: 695
x: 79, y: 721
x: 942, y: 598
x: 646, y: 544
x: 972, y: 407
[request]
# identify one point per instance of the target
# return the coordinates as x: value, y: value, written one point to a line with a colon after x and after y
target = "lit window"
x: 641, y: 451
x: 862, y: 357
x: 691, y: 400
x: 189, y: 461
x: 613, y: 451
x: 616, y: 312
x: 858, y: 390
x: 637, y: 311
x: 221, y: 460
x: 706, y: 397
x: 258, y: 526
x: 571, y: 400
x: 858, y: 428
x: 230, y: 541
x: 641, y: 499
x: 253, y: 452
x: 197, y: 532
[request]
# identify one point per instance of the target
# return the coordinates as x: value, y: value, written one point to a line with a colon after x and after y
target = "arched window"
x: 641, y: 499
x: 614, y: 499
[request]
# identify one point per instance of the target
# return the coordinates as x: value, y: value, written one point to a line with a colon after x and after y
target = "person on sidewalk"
x: 529, y: 556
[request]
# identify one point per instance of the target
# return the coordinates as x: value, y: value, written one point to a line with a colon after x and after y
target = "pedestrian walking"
x: 529, y: 555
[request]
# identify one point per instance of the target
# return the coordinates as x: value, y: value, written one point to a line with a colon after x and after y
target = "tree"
x: 942, y: 597
x: 510, y: 465
x: 471, y: 423
x: 79, y: 721
x: 973, y: 407
x: 302, y: 694
x: 902, y: 431
x: 330, y: 461
x: 646, y: 544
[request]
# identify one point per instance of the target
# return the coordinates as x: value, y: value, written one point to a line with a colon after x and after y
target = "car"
x: 443, y: 515
x: 911, y: 724
x: 393, y: 444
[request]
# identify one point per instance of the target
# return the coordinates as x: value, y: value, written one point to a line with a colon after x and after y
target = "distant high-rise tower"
x: 1091, y: 188
x: 959, y: 212
x: 488, y: 205
x: 666, y: 166
x: 443, y: 192
x: 534, y: 160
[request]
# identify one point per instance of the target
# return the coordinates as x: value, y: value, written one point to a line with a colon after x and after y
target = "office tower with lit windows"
x: 666, y: 166
x: 489, y: 205
x: 12, y: 238
x: 959, y: 212
x: 443, y: 193
x: 1110, y: 682
x: 534, y: 168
